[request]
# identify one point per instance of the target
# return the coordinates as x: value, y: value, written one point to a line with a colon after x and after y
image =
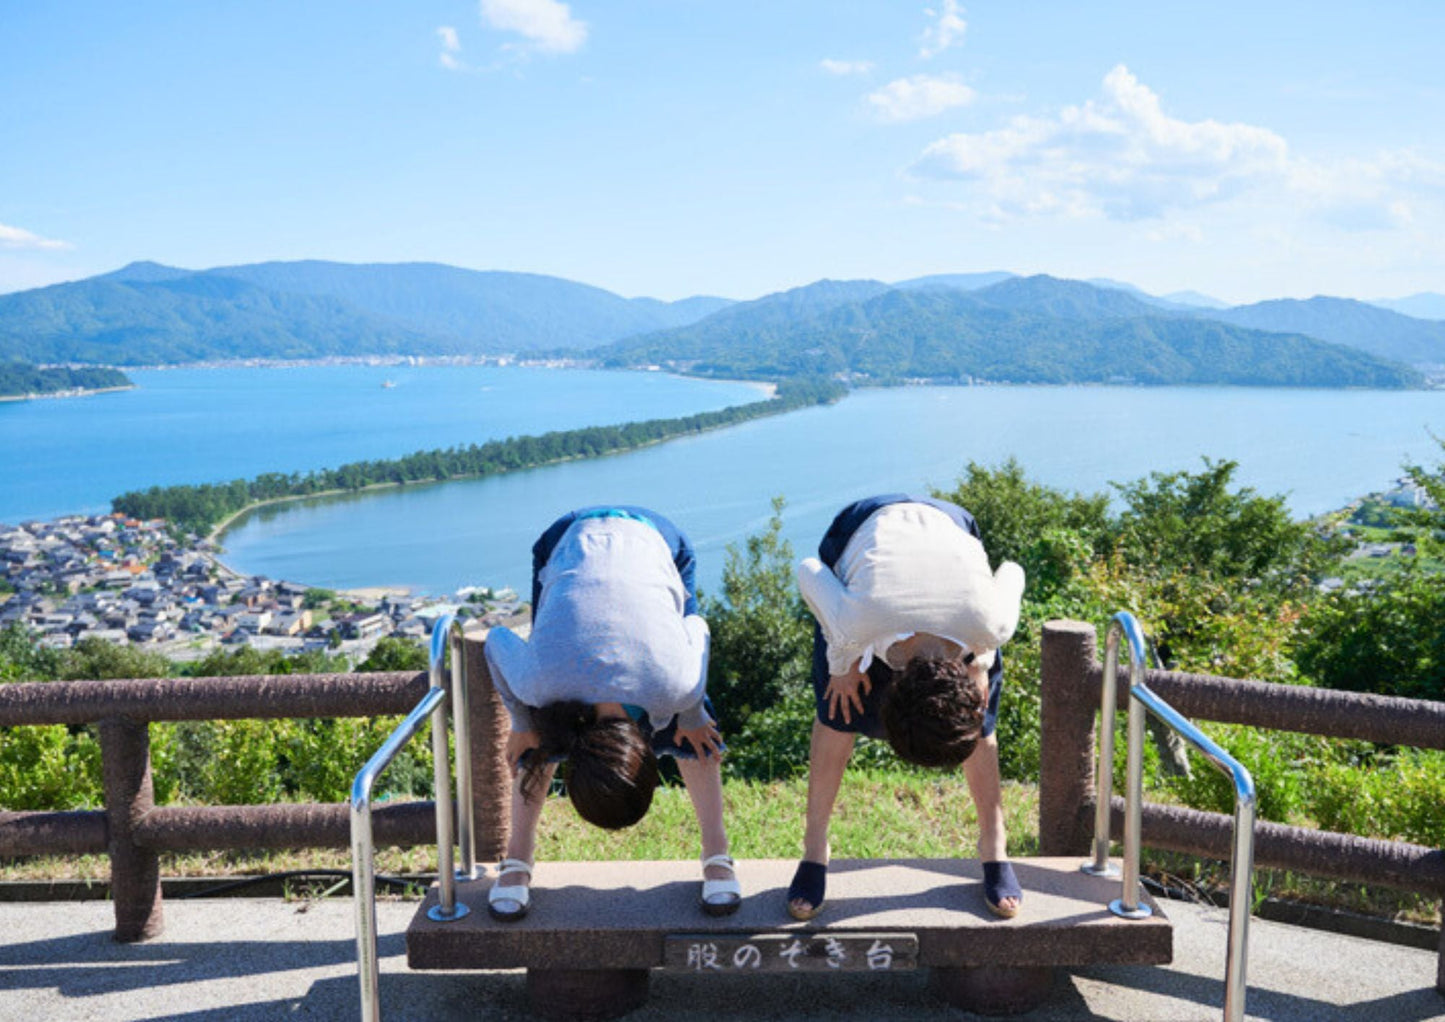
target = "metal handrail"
x: 1241, y: 871
x: 363, y: 870
x: 451, y: 628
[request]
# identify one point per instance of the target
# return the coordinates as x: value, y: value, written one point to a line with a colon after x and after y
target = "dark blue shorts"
x: 835, y: 541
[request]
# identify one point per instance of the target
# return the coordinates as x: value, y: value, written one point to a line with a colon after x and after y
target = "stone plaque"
x: 790, y: 952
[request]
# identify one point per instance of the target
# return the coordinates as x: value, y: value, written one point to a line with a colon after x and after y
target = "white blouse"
x: 909, y: 569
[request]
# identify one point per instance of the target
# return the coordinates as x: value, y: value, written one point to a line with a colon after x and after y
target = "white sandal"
x: 518, y: 894
x: 721, y: 897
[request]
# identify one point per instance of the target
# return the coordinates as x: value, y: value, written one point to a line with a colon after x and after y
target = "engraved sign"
x: 790, y: 952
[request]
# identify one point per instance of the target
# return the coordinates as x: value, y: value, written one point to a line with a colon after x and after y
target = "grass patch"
x: 893, y: 814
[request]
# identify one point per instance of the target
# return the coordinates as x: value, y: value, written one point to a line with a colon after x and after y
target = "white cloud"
x: 451, y: 46
x: 546, y: 24
x: 1120, y: 156
x: 846, y: 67
x: 19, y: 238
x: 946, y: 31
x: 911, y: 99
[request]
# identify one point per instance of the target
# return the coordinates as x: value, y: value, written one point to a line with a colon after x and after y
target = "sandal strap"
x: 515, y: 893
x: 713, y: 888
x: 722, y: 859
x: 514, y: 866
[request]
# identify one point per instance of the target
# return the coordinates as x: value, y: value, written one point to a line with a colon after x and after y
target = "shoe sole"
x: 804, y: 914
x: 718, y: 909
x: 507, y: 917
x: 1000, y: 911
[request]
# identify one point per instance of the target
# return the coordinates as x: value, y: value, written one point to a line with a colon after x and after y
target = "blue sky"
x: 675, y: 147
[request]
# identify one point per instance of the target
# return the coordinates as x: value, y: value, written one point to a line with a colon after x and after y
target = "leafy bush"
x: 1400, y: 800
x: 395, y: 653
x: 49, y: 767
x: 1389, y: 640
x: 1050, y: 533
x: 762, y: 633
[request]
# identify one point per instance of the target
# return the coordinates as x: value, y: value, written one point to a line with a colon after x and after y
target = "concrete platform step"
x: 626, y: 918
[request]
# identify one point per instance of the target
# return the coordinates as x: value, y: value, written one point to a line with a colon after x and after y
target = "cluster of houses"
x: 124, y: 581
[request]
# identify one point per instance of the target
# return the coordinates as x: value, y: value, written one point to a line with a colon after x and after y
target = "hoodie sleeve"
x: 699, y: 637
x: 827, y: 598
x: 506, y: 657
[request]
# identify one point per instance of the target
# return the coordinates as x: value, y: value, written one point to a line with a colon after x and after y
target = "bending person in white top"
x: 613, y: 675
x: 909, y: 621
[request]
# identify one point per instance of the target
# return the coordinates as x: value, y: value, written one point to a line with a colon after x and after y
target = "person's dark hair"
x: 933, y: 713
x: 610, y: 770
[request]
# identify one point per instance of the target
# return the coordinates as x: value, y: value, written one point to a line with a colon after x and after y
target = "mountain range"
x: 146, y: 313
x: 994, y: 326
x: 1023, y: 329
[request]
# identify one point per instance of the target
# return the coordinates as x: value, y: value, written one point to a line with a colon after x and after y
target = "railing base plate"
x: 437, y: 915
x: 1142, y: 911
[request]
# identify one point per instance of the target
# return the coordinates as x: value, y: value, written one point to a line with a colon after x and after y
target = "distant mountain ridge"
x: 1377, y: 331
x: 149, y: 313
x: 993, y: 325
x: 997, y: 333
x: 1425, y: 305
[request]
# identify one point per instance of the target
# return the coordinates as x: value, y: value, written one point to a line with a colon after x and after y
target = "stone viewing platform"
x: 596, y: 929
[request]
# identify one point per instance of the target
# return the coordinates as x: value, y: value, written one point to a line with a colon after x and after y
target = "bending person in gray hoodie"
x: 613, y: 675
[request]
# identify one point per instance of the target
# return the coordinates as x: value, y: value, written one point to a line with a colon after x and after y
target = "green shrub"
x: 243, y: 763
x: 1389, y: 640
x: 1399, y: 800
x: 762, y: 633
x: 1280, y: 763
x: 49, y: 767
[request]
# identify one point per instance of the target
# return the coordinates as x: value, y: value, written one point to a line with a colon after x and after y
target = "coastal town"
x: 125, y: 581
x: 128, y: 582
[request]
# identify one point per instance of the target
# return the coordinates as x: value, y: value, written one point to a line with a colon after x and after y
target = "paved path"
x: 250, y: 960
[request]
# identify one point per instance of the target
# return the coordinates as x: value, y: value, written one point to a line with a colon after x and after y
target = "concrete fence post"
x: 1068, y: 705
x: 491, y: 780
x: 135, y: 872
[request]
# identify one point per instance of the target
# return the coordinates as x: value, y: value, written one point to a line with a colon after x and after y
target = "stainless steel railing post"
x: 1128, y: 904
x: 447, y: 908
x: 363, y: 880
x: 433, y: 707
x: 462, y: 726
x: 1241, y: 877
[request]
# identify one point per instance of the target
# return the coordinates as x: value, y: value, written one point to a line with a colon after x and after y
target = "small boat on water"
x: 387, y: 384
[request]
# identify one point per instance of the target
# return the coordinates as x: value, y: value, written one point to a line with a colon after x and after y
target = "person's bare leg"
x: 828, y: 755
x: 526, y: 813
x: 703, y: 779
x: 984, y: 784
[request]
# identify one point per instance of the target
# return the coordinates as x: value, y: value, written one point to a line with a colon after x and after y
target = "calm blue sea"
x: 1319, y: 448
x: 59, y: 456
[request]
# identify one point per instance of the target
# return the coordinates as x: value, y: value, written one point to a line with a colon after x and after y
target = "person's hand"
x: 705, y: 740
x: 519, y: 743
x: 846, y: 691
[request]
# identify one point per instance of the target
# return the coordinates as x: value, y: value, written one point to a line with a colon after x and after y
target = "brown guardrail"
x: 1071, y: 684
x: 133, y: 830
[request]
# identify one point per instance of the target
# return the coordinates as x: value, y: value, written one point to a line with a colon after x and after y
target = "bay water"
x: 65, y: 455
x: 1319, y: 448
